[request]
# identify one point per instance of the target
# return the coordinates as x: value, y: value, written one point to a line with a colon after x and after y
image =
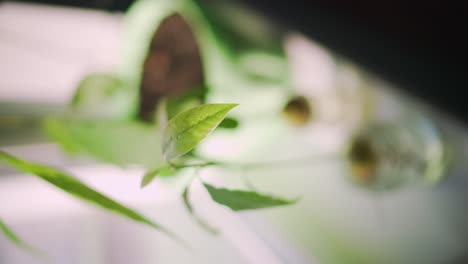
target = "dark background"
x: 418, y: 45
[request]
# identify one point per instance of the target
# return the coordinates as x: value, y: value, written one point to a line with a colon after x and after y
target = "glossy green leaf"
x: 76, y: 188
x: 202, y: 223
x: 15, y: 239
x: 239, y: 200
x: 188, y: 128
x: 163, y: 171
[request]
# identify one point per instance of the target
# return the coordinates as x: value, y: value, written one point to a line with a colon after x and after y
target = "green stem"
x: 308, y: 161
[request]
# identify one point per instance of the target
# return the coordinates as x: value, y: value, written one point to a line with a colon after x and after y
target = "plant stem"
x: 307, y: 161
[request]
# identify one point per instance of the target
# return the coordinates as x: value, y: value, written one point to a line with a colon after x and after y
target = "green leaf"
x: 101, y: 95
x: 78, y: 189
x: 117, y: 142
x: 93, y: 87
x: 239, y: 200
x: 188, y: 128
x: 202, y: 223
x: 15, y: 239
x: 229, y: 123
x: 163, y: 171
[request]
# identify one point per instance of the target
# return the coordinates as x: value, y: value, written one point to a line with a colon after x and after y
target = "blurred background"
x: 366, y: 119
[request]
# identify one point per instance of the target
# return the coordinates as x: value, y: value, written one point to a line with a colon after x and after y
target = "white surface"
x: 45, y: 51
x: 71, y: 231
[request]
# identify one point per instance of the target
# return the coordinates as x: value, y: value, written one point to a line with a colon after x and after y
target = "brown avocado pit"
x: 298, y: 110
x: 363, y: 160
x: 173, y: 65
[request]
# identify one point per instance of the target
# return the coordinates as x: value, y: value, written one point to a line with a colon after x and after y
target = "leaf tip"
x: 143, y: 184
x: 147, y: 179
x: 231, y: 106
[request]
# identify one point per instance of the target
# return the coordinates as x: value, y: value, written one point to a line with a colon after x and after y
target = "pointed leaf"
x: 76, y: 188
x: 163, y: 171
x: 239, y: 200
x: 15, y: 239
x: 188, y: 128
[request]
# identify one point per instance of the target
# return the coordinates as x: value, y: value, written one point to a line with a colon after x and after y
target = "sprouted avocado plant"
x: 181, y: 135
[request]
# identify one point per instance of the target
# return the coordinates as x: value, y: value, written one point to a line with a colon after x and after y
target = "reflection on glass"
x: 389, y: 155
